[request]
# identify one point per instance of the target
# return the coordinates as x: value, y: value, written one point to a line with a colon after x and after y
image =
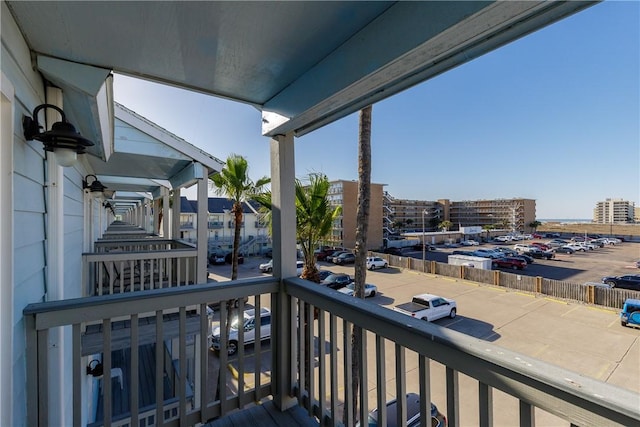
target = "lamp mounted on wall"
x: 95, y: 186
x: 62, y: 139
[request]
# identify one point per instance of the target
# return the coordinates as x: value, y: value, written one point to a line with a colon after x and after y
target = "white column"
x: 201, y: 230
x: 166, y: 218
x: 284, y: 258
x: 175, y: 214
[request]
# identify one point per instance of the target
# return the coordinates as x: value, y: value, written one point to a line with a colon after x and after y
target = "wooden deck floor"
x: 266, y: 415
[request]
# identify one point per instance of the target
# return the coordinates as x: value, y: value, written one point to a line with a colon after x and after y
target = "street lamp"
x: 423, y: 240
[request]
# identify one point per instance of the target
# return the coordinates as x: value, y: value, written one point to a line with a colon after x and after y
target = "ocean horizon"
x: 567, y: 220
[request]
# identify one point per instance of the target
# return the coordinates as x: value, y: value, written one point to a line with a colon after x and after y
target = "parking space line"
x: 556, y: 301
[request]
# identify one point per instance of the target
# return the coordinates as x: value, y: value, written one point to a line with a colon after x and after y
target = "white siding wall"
x: 28, y: 213
x: 28, y: 208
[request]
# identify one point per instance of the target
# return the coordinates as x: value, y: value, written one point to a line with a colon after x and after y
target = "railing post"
x: 538, y: 284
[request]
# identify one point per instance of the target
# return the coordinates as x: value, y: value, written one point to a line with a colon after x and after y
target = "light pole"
x: 423, y: 241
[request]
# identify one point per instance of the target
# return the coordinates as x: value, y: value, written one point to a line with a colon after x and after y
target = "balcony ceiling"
x: 303, y: 64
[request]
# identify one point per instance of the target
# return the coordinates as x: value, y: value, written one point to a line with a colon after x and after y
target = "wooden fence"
x: 588, y: 294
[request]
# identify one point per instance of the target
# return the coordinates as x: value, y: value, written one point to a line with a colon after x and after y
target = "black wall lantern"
x: 63, y: 139
x: 95, y: 186
x: 94, y: 368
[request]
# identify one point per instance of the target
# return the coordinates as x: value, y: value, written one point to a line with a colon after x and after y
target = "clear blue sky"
x: 554, y: 116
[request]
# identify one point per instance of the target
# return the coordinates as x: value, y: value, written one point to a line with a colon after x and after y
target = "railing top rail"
x: 67, y: 312
x: 529, y: 379
x: 129, y: 255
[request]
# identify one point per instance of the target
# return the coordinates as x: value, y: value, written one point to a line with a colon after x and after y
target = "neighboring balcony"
x: 128, y: 265
x: 307, y: 362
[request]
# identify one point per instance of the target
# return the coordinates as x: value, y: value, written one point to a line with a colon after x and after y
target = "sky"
x: 554, y: 116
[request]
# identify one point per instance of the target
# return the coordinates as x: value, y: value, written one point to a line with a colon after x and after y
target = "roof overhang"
x: 303, y: 64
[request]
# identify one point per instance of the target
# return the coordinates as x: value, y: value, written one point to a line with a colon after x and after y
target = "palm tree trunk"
x: 362, y: 221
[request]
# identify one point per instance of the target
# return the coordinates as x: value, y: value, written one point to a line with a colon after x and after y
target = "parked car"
x: 539, y: 253
x: 628, y: 281
x: 542, y: 246
x: 334, y: 255
x: 345, y: 258
x: 460, y: 252
x: 227, y: 258
x: 488, y: 253
x: 525, y: 257
x: 376, y: 262
x: 393, y: 251
x: 537, y: 236
x: 369, y: 290
x: 630, y: 314
x: 268, y: 267
x: 428, y: 307
x: 555, y: 243
x: 551, y: 235
x: 323, y: 274
x: 503, y: 239
x: 248, y: 323
x: 506, y: 250
x: 337, y: 281
x: 521, y: 247
x: 564, y: 250
x: 216, y: 258
x: 469, y: 243
x: 413, y: 414
x: 577, y: 246
x: 509, y: 262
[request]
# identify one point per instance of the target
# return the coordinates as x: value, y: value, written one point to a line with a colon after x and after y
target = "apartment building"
x: 404, y: 215
x: 345, y: 194
x: 254, y: 237
x: 612, y: 211
x: 514, y: 214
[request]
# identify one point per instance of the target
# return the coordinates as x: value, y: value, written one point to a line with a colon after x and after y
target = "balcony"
x: 319, y: 385
x: 215, y: 224
x: 127, y: 265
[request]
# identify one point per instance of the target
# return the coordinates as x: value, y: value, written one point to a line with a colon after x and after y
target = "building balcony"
x: 215, y: 224
x: 126, y: 265
x: 302, y: 366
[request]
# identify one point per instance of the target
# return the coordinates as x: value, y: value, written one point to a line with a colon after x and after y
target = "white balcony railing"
x: 322, y: 381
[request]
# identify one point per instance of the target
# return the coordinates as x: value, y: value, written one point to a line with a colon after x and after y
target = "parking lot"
x: 584, y: 339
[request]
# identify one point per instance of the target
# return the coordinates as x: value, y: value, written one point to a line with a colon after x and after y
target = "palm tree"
x: 234, y: 183
x: 445, y: 225
x: 314, y: 218
x: 362, y: 220
x: 534, y: 225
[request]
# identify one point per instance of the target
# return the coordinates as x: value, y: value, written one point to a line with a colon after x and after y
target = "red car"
x: 509, y: 262
x: 542, y: 246
x: 537, y: 236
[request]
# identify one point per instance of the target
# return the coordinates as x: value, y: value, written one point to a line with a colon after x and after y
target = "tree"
x: 234, y: 183
x: 445, y: 225
x: 314, y: 218
x: 362, y: 221
x: 534, y: 225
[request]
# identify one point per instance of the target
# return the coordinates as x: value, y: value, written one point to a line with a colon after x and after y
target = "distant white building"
x: 614, y: 211
x: 254, y: 237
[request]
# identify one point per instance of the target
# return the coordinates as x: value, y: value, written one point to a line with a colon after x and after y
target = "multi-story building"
x: 614, y: 211
x: 415, y: 215
x: 515, y: 214
x: 254, y: 237
x: 345, y: 194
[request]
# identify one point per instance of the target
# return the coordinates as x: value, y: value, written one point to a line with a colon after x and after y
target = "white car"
x: 376, y: 262
x: 469, y: 243
x: 503, y: 239
x: 520, y: 247
x: 369, y: 290
x: 249, y: 328
x: 576, y: 246
x: 268, y: 267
